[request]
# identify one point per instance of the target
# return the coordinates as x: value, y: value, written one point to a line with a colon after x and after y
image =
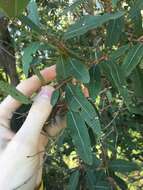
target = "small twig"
x: 63, y: 82
x: 2, y: 48
x: 116, y: 114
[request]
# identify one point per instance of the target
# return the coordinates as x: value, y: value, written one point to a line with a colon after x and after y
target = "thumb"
x: 38, y: 114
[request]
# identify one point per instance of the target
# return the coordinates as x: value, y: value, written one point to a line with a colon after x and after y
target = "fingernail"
x: 46, y: 91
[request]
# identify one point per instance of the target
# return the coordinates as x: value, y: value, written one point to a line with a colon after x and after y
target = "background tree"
x: 95, y: 44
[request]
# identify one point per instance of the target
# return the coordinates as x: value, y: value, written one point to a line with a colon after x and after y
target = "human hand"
x: 20, y: 163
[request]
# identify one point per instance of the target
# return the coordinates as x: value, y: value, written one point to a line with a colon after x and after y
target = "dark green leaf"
x: 27, y: 56
x: 61, y: 68
x: 133, y: 58
x: 116, y: 76
x: 67, y: 66
x: 115, y: 29
x: 74, y: 179
x: 91, y: 179
x: 120, y: 52
x: 78, y: 103
x: 55, y: 97
x: 11, y: 90
x: 123, y: 166
x: 38, y: 73
x: 137, y: 78
x: 135, y: 15
x: 13, y: 8
x: 94, y: 86
x: 28, y: 22
x: 33, y: 12
x: 89, y: 22
x: 102, y: 185
x: 80, y: 136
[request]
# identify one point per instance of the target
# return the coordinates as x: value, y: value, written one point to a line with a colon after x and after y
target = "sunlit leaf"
x: 28, y: 22
x: 13, y: 7
x: 89, y: 22
x: 33, y: 12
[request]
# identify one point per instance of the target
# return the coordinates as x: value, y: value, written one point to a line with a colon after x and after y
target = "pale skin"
x: 20, y: 169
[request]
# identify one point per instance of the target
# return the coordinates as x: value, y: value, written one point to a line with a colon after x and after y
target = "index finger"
x: 27, y: 87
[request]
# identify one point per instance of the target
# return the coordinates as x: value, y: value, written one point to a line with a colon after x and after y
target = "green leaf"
x: 80, y: 136
x: 37, y: 72
x: 120, y: 52
x: 114, y: 3
x: 16, y: 94
x: 28, y: 56
x: 94, y: 86
x: 135, y: 15
x: 117, y: 78
x: 28, y: 22
x: 74, y: 179
x: 102, y: 185
x: 89, y: 22
x: 55, y: 97
x: 115, y: 28
x: 91, y: 179
x: 67, y: 67
x: 123, y: 166
x: 137, y: 79
x: 78, y: 103
x: 13, y: 8
x: 61, y: 68
x: 133, y: 58
x: 33, y: 12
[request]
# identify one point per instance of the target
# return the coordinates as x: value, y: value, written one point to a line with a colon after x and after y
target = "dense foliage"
x: 97, y: 44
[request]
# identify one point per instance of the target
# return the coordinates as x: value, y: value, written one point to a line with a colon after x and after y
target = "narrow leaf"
x: 120, y: 52
x: 13, y: 8
x: 78, y: 103
x: 67, y: 67
x: 117, y: 78
x: 133, y: 58
x: 16, y: 94
x: 94, y: 86
x: 115, y: 29
x: 80, y: 136
x: 55, y: 97
x: 91, y: 179
x: 89, y: 22
x: 74, y: 179
x: 28, y: 22
x: 123, y: 166
x: 27, y: 56
x: 33, y: 12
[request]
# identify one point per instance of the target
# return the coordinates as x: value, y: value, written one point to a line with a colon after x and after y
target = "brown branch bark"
x: 7, y: 53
